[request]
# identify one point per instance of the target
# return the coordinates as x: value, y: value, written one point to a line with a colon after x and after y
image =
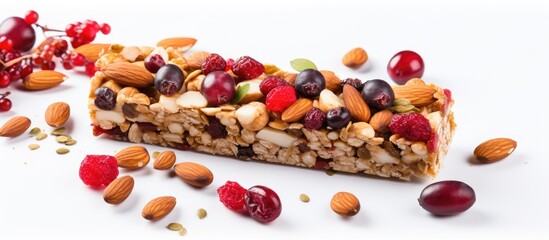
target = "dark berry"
x: 168, y: 79
x: 355, y: 82
x: 432, y: 144
x: 247, y: 68
x: 218, y: 88
x: 338, y: 117
x: 105, y: 98
x: 214, y: 62
x: 245, y: 152
x: 309, y: 83
x: 19, y: 32
x: 404, y: 66
x: 314, y: 119
x: 263, y: 204
x: 412, y: 126
x: 378, y: 94
x: 271, y: 82
x: 280, y: 98
x: 447, y: 198
x: 98, y: 170
x: 154, y: 62
x: 215, y: 128
x: 232, y: 195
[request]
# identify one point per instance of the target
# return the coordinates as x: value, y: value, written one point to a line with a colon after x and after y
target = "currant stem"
x: 46, y: 29
x: 14, y: 61
x: 4, y: 95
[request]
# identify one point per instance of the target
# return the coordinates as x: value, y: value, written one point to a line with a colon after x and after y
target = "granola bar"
x: 248, y: 130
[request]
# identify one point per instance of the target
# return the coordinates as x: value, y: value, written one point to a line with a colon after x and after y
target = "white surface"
x: 493, y: 56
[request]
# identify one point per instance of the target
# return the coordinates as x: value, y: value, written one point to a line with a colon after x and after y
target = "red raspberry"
x: 232, y: 195
x: 214, y: 62
x: 412, y: 126
x: 314, y: 119
x: 271, y: 82
x: 98, y: 170
x: 280, y: 98
x: 247, y: 68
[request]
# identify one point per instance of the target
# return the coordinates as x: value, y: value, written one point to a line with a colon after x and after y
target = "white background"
x: 492, y: 55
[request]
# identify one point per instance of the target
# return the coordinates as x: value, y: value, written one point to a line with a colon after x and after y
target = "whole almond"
x: 196, y: 59
x: 495, y: 149
x: 297, y: 110
x: 355, y: 103
x: 355, y: 58
x: 15, y: 126
x: 417, y: 92
x: 194, y: 174
x: 290, y: 77
x: 57, y: 114
x: 345, y: 204
x: 133, y: 157
x: 380, y: 121
x: 158, y: 208
x: 180, y: 43
x: 43, y: 80
x: 332, y: 81
x: 128, y: 74
x: 92, y: 51
x: 165, y: 160
x: 118, y: 190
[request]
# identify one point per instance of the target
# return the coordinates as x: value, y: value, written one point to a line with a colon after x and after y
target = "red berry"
x: 412, y: 126
x: 214, y: 62
x: 271, y: 82
x: 31, y: 17
x: 5, y: 79
x: 105, y: 28
x: 26, y: 70
x: 91, y: 69
x: 47, y: 65
x: 230, y: 63
x: 247, y: 68
x: 404, y: 66
x: 78, y: 59
x: 447, y: 101
x: 6, y: 43
x: 263, y: 204
x: 67, y: 65
x: 446, y: 198
x: 70, y: 30
x: 215, y: 128
x: 314, y: 119
x: 232, y: 195
x: 280, y: 98
x: 432, y: 144
x: 98, y: 170
x: 5, y: 104
x: 154, y: 62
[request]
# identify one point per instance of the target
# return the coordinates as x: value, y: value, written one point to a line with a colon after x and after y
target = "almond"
x: 43, y: 80
x: 380, y: 121
x: 495, y: 149
x: 194, y: 174
x: 345, y: 204
x: 332, y: 81
x: 158, y: 208
x: 92, y: 51
x: 290, y: 77
x: 355, y: 104
x: 355, y: 58
x: 417, y: 92
x: 165, y: 160
x: 297, y: 110
x: 57, y: 114
x: 196, y: 59
x: 133, y: 157
x: 15, y: 126
x: 128, y: 74
x: 118, y: 190
x: 180, y: 43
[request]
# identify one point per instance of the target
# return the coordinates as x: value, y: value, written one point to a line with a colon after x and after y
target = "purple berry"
x: 314, y: 119
x: 169, y: 79
x: 154, y: 62
x: 338, y: 117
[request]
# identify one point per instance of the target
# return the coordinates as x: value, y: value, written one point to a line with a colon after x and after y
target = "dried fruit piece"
x: 378, y: 94
x: 404, y: 66
x: 270, y: 83
x: 263, y: 204
x: 247, y: 68
x: 98, y: 170
x: 309, y: 83
x: 214, y: 62
x: 165, y: 160
x: 15, y: 126
x: 314, y: 119
x: 158, y: 208
x: 118, y: 190
x: 345, y: 204
x: 133, y: 157
x: 231, y: 194
x: 338, y: 118
x: 57, y: 114
x: 494, y: 150
x: 194, y: 174
x: 280, y: 98
x: 355, y: 58
x: 447, y: 198
x: 412, y: 126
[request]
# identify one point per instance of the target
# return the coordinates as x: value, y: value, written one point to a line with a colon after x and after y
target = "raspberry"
x: 280, y: 98
x: 271, y: 82
x: 213, y: 62
x: 98, y: 170
x: 314, y: 119
x: 247, y: 68
x: 232, y: 195
x: 412, y: 126
x: 215, y: 128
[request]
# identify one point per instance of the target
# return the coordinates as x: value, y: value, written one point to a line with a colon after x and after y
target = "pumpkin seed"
x: 201, y: 213
x: 62, y: 151
x: 34, y: 146
x: 175, y: 226
x: 304, y: 198
x: 58, y: 131
x: 41, y: 136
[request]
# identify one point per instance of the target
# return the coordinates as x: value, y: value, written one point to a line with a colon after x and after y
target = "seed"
x: 201, y: 213
x: 330, y: 172
x: 35, y: 131
x: 41, y: 136
x: 175, y: 226
x: 34, y: 146
x: 155, y: 154
x: 70, y: 142
x: 61, y: 139
x: 182, y: 231
x: 304, y: 198
x: 62, y: 151
x: 58, y: 131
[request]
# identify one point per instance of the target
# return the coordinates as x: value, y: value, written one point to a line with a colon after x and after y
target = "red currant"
x: 404, y: 66
x: 31, y: 17
x: 105, y: 28
x: 91, y: 69
x: 5, y: 104
x: 5, y: 79
x: 78, y: 59
x: 6, y: 43
x: 70, y: 30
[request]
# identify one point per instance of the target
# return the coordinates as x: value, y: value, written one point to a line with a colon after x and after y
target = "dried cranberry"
x: 280, y: 98
x: 105, y: 98
x: 432, y: 144
x: 314, y: 119
x: 247, y: 68
x: 263, y: 204
x: 147, y: 127
x: 447, y: 198
x: 214, y: 62
x: 412, y: 126
x: 245, y: 152
x: 355, y: 82
x: 270, y: 83
x: 98, y: 170
x: 232, y: 195
x: 215, y: 128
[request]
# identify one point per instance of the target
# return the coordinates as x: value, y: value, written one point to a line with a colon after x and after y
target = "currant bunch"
x: 5, y: 103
